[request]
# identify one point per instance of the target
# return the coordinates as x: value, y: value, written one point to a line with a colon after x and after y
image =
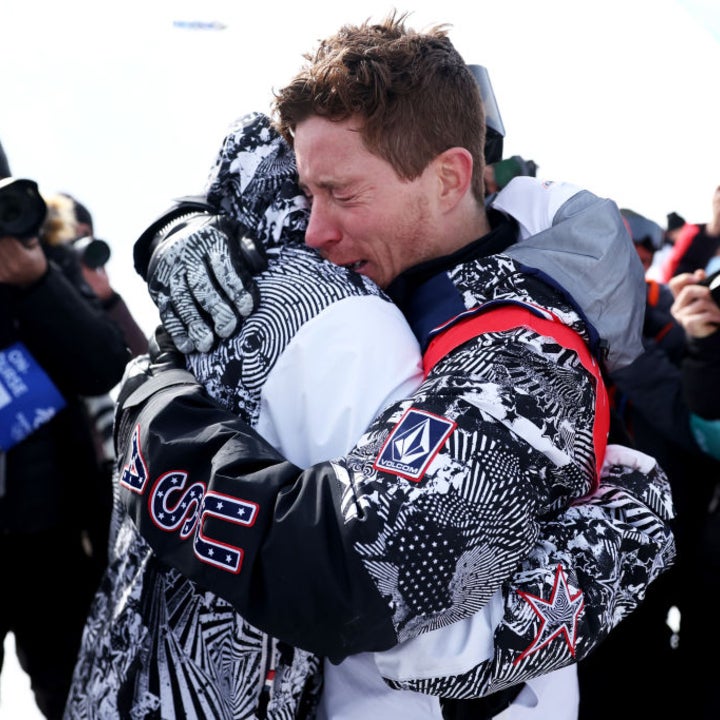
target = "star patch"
x: 413, y: 443
x: 558, y: 615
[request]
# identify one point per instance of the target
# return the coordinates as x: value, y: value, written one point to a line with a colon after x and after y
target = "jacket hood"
x: 254, y: 179
x: 586, y: 252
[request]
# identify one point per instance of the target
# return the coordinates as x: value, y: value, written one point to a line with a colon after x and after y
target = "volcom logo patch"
x: 413, y: 443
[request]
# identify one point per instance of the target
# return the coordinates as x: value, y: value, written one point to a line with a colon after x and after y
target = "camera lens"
x: 22, y: 209
x: 714, y: 286
x: 94, y: 253
x: 713, y: 282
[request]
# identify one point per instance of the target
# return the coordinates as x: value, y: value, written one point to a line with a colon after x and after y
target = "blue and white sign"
x: 28, y: 398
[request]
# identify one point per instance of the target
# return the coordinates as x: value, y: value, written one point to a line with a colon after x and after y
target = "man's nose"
x: 321, y: 229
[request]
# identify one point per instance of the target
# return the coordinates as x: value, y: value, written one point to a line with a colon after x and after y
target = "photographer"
x: 77, y: 231
x: 699, y: 314
x: 56, y: 345
x: 94, y: 255
x: 697, y: 311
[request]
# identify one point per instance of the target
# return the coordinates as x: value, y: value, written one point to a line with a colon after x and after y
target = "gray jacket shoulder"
x: 579, y: 240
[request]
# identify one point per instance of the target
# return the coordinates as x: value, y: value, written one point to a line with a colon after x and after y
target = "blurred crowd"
x: 65, y: 338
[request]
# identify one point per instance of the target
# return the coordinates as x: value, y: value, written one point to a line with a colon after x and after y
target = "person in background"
x: 647, y: 236
x: 696, y: 244
x: 57, y: 345
x: 360, y: 523
x: 647, y: 399
x: 673, y: 225
x: 94, y: 254
x: 696, y: 309
x: 500, y: 173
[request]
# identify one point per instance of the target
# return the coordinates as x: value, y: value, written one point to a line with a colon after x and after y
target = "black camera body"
x: 22, y: 208
x: 713, y: 282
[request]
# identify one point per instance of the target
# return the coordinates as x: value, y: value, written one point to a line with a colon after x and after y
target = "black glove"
x: 163, y: 353
x: 200, y: 277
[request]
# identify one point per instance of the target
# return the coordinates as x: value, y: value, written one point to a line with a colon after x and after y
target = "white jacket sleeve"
x: 336, y: 394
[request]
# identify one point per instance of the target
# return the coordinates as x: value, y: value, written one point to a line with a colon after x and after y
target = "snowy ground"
x: 16, y: 698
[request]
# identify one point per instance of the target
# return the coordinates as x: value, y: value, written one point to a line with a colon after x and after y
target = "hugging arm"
x: 312, y: 558
x: 573, y: 588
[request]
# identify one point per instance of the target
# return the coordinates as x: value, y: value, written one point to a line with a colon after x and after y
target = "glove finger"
x: 237, y: 284
x: 200, y: 334
x: 176, y: 329
x: 210, y: 299
x: 161, y: 287
x: 191, y: 324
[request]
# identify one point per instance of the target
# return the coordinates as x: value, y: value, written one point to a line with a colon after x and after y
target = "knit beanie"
x: 674, y: 221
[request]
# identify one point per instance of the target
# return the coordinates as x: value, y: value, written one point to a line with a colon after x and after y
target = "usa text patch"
x: 413, y: 443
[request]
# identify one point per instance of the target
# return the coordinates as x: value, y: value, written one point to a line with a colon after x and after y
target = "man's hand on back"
x: 200, y: 277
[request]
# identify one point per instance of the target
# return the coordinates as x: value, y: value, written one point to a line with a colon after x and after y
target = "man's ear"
x: 454, y: 172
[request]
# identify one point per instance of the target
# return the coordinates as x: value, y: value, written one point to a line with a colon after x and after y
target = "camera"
x: 22, y: 208
x: 93, y: 252
x: 713, y: 282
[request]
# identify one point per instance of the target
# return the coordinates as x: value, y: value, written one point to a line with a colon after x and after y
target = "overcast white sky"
x: 120, y: 105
